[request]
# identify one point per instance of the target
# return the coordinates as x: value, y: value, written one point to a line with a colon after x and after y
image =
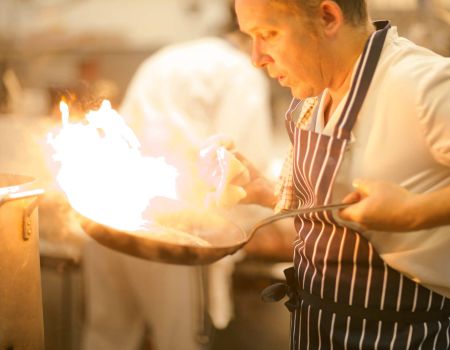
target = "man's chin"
x: 303, y: 92
x: 300, y: 92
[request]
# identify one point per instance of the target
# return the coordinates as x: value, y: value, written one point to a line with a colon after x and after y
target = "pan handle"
x: 290, y: 213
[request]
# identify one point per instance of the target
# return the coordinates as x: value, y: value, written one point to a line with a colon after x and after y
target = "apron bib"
x: 342, y: 294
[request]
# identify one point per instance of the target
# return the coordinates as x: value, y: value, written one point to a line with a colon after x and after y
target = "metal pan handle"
x: 290, y: 213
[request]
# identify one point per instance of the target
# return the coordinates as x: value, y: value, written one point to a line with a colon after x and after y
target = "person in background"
x: 370, y: 126
x: 179, y: 96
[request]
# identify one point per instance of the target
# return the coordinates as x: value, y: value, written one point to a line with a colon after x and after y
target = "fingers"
x: 352, y: 198
x: 382, y: 205
x: 218, y: 140
x: 346, y: 214
x: 225, y: 174
x: 226, y: 197
x: 253, y: 171
x: 363, y: 186
x: 365, y: 198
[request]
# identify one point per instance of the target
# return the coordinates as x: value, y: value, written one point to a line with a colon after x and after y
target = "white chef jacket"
x: 402, y: 135
x: 194, y: 89
x: 202, y: 87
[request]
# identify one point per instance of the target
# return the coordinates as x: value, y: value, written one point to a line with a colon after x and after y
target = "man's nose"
x: 259, y: 58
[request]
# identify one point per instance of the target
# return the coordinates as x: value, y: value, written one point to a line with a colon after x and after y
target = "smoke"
x: 24, y: 151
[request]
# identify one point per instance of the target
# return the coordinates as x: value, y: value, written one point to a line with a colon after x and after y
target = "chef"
x: 369, y: 124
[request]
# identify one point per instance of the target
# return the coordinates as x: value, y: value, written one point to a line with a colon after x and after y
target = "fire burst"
x: 102, y: 171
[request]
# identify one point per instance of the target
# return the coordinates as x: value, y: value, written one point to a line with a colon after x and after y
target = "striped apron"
x: 342, y: 294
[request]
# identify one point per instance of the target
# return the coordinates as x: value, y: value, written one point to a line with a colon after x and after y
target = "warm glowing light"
x: 64, y: 109
x: 275, y: 168
x: 102, y: 171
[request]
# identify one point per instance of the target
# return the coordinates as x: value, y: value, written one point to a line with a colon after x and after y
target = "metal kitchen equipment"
x: 21, y: 317
x: 224, y: 237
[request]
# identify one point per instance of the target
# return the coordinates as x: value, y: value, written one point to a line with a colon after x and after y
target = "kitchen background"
x: 87, y: 49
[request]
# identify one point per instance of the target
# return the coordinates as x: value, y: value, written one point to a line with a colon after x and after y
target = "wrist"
x: 413, y: 213
x: 260, y: 191
x: 268, y: 198
x: 425, y: 211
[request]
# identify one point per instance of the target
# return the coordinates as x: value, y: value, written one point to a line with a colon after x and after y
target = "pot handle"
x: 28, y: 210
x: 19, y: 195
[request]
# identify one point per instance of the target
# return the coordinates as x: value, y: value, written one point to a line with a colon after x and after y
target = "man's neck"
x: 344, y: 62
x: 336, y: 94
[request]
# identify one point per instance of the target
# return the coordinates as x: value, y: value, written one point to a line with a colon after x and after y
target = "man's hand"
x: 382, y: 206
x: 232, y: 178
x: 223, y: 174
x: 259, y: 189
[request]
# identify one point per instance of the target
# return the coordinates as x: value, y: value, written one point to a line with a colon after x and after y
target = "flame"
x: 102, y: 171
x: 64, y: 108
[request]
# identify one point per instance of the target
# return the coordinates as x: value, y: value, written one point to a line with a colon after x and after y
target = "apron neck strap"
x: 291, y: 121
x: 361, y: 82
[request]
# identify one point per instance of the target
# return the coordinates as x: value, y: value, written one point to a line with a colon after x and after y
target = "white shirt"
x: 187, y: 92
x: 201, y: 87
x: 402, y: 135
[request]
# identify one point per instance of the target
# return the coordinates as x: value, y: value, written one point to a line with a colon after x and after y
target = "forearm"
x: 430, y: 209
x: 388, y: 207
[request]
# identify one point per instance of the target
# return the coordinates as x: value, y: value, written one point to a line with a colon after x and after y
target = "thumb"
x: 362, y: 186
x: 352, y: 198
x: 218, y: 140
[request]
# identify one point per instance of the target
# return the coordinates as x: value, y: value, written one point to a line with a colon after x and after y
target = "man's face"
x: 284, y: 44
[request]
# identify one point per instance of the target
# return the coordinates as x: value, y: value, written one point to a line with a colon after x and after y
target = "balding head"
x: 354, y: 11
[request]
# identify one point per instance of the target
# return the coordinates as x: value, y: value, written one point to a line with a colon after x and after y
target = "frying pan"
x: 222, y: 236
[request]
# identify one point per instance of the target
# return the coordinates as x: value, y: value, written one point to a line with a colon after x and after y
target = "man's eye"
x: 268, y: 35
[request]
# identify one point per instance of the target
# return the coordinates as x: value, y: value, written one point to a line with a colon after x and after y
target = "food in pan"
x: 175, y: 222
x: 172, y: 235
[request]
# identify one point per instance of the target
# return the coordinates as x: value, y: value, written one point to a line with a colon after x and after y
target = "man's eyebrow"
x: 249, y: 30
x: 252, y: 29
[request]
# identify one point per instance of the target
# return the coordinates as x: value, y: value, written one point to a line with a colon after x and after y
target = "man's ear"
x: 331, y: 18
